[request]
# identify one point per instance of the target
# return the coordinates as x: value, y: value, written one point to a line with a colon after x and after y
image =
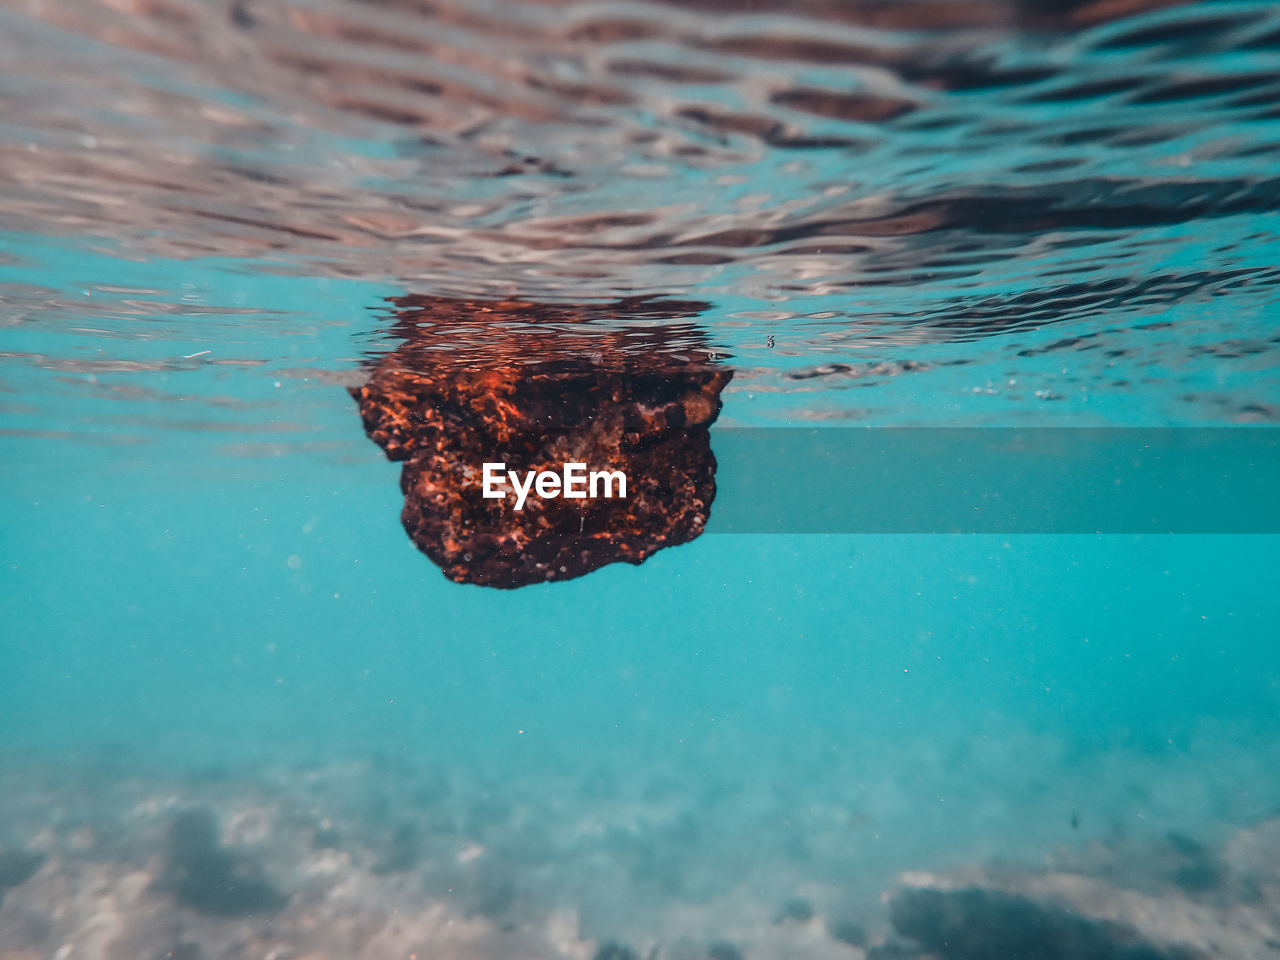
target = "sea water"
x: 929, y: 215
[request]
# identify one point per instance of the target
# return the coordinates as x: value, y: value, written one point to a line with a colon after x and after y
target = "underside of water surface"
x: 936, y: 340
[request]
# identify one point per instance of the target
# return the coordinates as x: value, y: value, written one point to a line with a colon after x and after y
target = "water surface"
x: 224, y: 665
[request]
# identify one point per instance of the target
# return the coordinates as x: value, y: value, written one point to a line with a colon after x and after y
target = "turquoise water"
x: 208, y: 598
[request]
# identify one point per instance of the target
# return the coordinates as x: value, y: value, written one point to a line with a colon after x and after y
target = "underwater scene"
x: 639, y: 480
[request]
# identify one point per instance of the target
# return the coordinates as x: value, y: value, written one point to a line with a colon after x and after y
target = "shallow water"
x: 219, y: 219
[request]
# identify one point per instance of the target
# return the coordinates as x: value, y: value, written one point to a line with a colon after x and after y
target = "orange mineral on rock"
x: 624, y: 387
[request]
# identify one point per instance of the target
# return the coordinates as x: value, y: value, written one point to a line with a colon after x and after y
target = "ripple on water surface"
x: 998, y: 210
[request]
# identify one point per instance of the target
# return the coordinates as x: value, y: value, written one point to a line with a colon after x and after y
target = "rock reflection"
x: 535, y: 386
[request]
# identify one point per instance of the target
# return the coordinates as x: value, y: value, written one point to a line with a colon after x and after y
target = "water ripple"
x: 969, y: 168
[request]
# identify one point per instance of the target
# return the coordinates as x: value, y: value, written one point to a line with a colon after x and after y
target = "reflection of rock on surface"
x: 530, y: 386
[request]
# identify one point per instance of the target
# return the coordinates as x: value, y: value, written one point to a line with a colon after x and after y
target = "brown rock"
x: 528, y: 385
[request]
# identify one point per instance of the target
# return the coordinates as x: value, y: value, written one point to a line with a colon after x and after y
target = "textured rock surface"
x: 976, y: 923
x: 1174, y: 900
x: 527, y: 385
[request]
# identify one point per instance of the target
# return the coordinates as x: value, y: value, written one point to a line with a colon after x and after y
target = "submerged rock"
x: 723, y: 950
x: 17, y: 867
x: 798, y: 909
x: 980, y: 924
x: 613, y: 950
x: 1173, y: 898
x: 528, y: 386
x: 212, y: 879
x: 1200, y: 870
x: 848, y: 931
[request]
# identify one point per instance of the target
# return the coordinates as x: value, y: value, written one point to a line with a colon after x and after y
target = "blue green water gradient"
x: 191, y: 581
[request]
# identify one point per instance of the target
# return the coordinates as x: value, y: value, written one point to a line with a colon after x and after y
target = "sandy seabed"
x: 110, y: 858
